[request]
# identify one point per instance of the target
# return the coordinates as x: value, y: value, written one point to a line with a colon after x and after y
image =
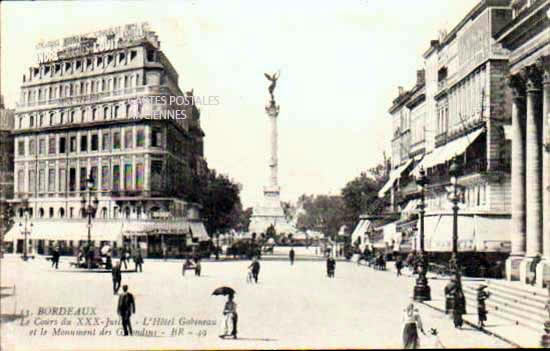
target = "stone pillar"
x: 543, y: 270
x: 517, y: 235
x: 533, y: 169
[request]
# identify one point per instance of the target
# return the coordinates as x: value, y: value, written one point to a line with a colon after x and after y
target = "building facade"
x: 105, y: 106
x: 462, y: 111
x: 527, y: 37
x: 6, y: 168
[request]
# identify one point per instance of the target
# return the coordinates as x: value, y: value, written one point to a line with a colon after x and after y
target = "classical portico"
x: 530, y: 171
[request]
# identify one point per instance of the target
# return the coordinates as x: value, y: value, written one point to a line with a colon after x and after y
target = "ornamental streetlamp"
x: 26, y: 229
x: 454, y: 172
x: 422, y: 290
x: 89, y: 208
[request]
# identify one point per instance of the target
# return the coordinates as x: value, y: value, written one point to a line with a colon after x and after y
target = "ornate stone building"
x: 527, y: 37
x: 459, y: 109
x: 96, y: 107
x: 6, y: 166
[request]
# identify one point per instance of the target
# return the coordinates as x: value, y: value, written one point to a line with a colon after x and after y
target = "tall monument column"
x: 270, y: 212
x: 533, y: 194
x: 517, y: 234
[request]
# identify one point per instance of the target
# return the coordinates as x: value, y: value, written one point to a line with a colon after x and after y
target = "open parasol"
x: 224, y: 290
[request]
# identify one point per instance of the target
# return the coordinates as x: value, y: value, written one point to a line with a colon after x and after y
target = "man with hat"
x: 482, y: 295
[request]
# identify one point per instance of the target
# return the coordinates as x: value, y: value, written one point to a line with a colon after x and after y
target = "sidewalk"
x: 515, y: 335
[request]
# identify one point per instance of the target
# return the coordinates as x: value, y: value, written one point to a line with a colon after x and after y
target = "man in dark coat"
x: 138, y: 260
x: 117, y: 277
x: 533, y: 268
x: 331, y: 266
x: 482, y: 295
x: 255, y: 266
x: 126, y: 306
x: 398, y: 265
x: 291, y: 256
x: 55, y: 258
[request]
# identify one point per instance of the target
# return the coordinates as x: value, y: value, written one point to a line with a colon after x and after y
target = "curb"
x: 485, y: 331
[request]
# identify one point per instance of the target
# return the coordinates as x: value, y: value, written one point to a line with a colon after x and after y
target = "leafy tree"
x: 361, y: 196
x: 324, y: 213
x: 221, y: 203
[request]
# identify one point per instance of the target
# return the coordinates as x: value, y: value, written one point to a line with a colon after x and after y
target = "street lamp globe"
x: 421, y: 181
x: 454, y: 171
x: 90, y: 182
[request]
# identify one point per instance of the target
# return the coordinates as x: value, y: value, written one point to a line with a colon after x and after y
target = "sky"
x: 340, y: 64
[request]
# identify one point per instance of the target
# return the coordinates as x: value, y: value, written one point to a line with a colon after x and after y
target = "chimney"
x: 420, y: 77
x: 401, y: 90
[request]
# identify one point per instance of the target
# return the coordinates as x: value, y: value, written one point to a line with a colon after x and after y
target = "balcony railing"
x: 81, y: 99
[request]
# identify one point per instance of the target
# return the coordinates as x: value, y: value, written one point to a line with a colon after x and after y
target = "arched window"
x: 61, y: 212
x: 41, y: 212
x: 94, y: 112
x: 127, y: 110
x: 51, y: 119
x: 51, y: 212
x: 81, y: 88
x: 31, y: 121
x: 62, y: 118
x: 106, y: 112
x: 41, y: 120
x: 104, y: 212
x: 72, y: 116
x: 21, y: 213
x: 116, y: 111
x: 20, y: 122
x: 127, y: 212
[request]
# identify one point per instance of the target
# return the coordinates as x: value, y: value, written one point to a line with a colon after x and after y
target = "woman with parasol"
x: 229, y: 312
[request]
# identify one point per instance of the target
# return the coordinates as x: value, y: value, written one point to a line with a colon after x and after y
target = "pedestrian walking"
x: 230, y: 318
x: 482, y: 295
x: 291, y: 256
x: 255, y: 266
x: 398, y: 266
x: 197, y: 267
x: 138, y: 261
x: 123, y: 258
x: 55, y: 258
x: 449, y: 294
x: 459, y: 308
x: 412, y: 323
x: 126, y: 307
x: 117, y: 277
x: 331, y: 266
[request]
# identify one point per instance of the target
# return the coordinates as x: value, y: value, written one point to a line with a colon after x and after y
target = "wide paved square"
x: 291, y: 307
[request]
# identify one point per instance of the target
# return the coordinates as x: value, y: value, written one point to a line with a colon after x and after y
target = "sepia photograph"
x: 244, y: 175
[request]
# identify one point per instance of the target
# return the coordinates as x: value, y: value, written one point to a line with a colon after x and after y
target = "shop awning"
x: 67, y: 230
x: 475, y: 233
x: 155, y: 227
x: 451, y: 149
x: 492, y: 234
x: 360, y: 229
x: 198, y: 230
x: 394, y: 175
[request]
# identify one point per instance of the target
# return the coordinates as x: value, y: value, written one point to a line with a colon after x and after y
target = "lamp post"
x: 454, y: 172
x: 26, y: 230
x: 422, y: 290
x: 89, y: 208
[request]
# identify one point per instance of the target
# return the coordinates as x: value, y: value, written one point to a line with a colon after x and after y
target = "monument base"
x: 512, y: 268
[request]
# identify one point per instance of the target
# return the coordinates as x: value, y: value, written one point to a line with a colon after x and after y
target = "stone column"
x: 543, y: 270
x: 517, y: 234
x: 533, y: 169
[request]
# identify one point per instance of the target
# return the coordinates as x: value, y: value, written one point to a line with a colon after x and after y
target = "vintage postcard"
x: 238, y: 174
